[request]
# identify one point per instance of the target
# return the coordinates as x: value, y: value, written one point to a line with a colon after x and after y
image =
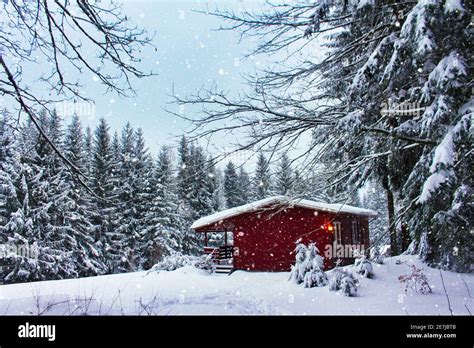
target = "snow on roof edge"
x: 336, y: 208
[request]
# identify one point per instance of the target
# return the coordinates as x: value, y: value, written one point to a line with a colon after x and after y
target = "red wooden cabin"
x: 262, y: 236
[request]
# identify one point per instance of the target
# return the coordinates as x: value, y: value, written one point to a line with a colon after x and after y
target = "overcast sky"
x: 190, y: 53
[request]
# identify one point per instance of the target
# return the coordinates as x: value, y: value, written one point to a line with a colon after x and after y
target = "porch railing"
x: 220, y: 254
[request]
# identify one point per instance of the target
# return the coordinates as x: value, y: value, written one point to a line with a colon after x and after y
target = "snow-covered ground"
x: 192, y: 291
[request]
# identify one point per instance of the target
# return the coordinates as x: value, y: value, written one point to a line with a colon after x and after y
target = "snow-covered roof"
x: 281, y: 200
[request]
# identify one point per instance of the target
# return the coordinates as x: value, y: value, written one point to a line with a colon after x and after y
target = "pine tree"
x: 284, y: 177
x: 50, y: 201
x: 201, y: 192
x: 10, y: 169
x: 134, y: 170
x: 123, y: 237
x: 300, y: 185
x: 184, y: 170
x: 308, y: 268
x: 16, y: 225
x: 104, y: 184
x: 143, y: 195
x: 244, y: 185
x: 317, y: 188
x: 373, y: 197
x: 46, y: 219
x: 427, y: 182
x: 162, y: 235
x: 231, y: 186
x: 216, y: 188
x: 262, y: 181
x: 184, y: 187
x: 88, y: 153
x: 86, y: 253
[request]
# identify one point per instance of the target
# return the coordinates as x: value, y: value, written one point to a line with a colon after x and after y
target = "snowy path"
x: 191, y: 291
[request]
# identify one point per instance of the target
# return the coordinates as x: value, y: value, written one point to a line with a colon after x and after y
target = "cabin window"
x: 356, y: 236
x: 337, y: 233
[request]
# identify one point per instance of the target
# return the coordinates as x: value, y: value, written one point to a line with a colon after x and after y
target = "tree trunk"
x: 405, y: 236
x: 391, y: 222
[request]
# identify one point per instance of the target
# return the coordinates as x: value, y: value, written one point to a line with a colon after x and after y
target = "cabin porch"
x: 221, y: 250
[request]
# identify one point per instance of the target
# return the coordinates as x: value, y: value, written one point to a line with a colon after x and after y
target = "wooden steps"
x: 224, y: 269
x: 222, y: 258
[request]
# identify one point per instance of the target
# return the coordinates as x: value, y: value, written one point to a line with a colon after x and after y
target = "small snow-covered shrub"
x: 178, y: 260
x: 335, y: 279
x: 416, y: 280
x: 172, y: 262
x: 205, y: 262
x: 308, y: 268
x: 315, y: 278
x: 364, y: 267
x: 344, y: 281
x: 349, y: 286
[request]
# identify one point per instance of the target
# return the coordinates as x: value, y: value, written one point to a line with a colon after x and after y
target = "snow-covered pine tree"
x: 87, y: 253
x: 116, y: 153
x: 200, y: 199
x: 262, y: 182
x: 68, y: 226
x: 364, y: 266
x: 88, y: 153
x: 315, y: 275
x: 300, y: 187
x: 144, y: 195
x: 46, y: 206
x: 317, y: 187
x: 10, y: 171
x: 201, y: 194
x: 301, y: 266
x: 216, y: 187
x: 48, y: 201
x: 185, y: 192
x: 344, y: 281
x: 184, y: 170
x: 16, y: 225
x: 122, y: 239
x: 308, y: 268
x: 231, y: 186
x: 244, y: 185
x: 284, y: 177
x: 162, y: 234
x: 104, y: 184
x: 372, y: 196
x: 195, y: 189
x: 425, y: 127
x: 421, y: 70
x: 440, y: 185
